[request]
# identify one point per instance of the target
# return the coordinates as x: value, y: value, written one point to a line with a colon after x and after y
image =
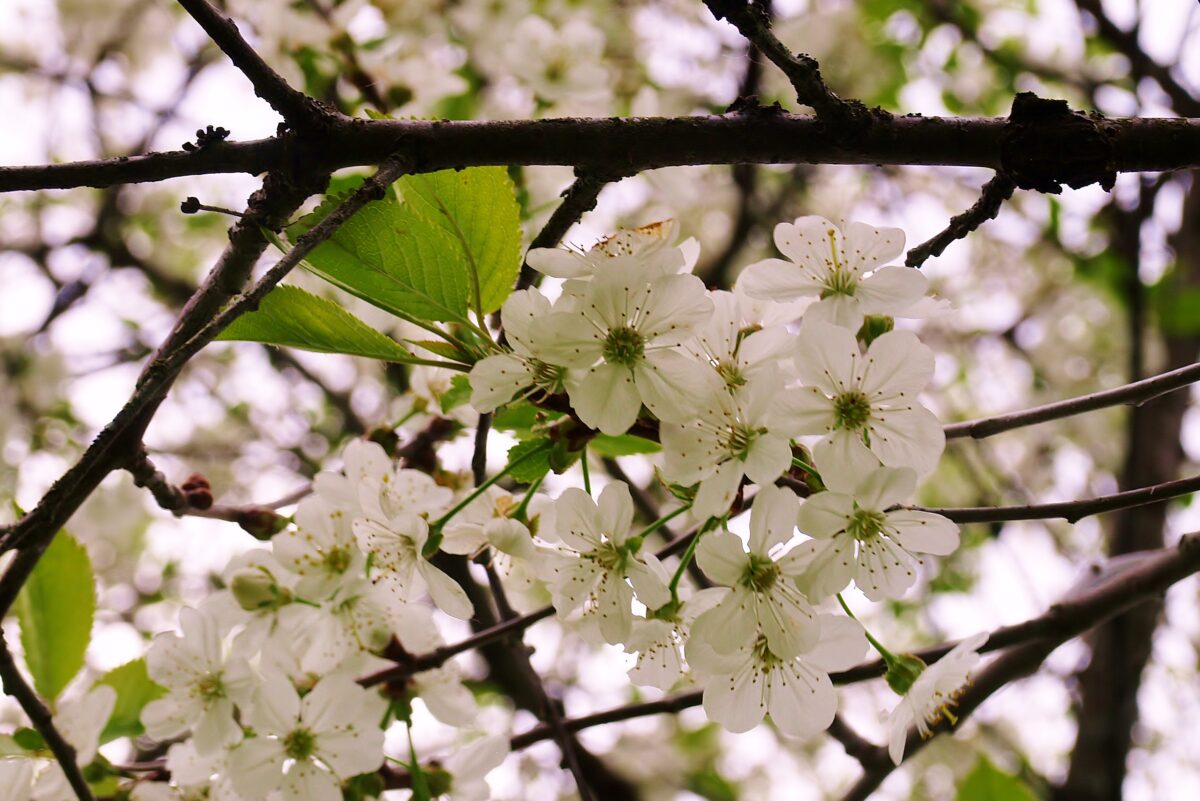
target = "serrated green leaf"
x: 520, y: 416
x: 55, y: 609
x: 440, y: 348
x: 134, y: 689
x: 535, y: 467
x: 290, y: 317
x: 622, y: 445
x: 478, y: 208
x: 393, y: 258
x: 986, y: 782
x: 458, y: 394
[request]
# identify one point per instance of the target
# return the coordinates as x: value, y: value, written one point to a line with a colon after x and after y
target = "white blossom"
x: 930, y: 698
x: 626, y: 334
x: 321, y: 549
x: 865, y: 405
x: 305, y: 748
x: 204, y: 678
x: 843, y: 269
x: 400, y: 564
x: 738, y: 433
x: 742, y: 686
x: 497, y: 378
x: 763, y: 597
x: 857, y: 537
x: 602, y: 556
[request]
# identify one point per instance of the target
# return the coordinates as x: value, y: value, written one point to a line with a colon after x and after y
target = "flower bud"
x: 902, y: 671
x: 256, y: 589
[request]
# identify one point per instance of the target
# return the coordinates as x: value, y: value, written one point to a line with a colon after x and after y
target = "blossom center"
x: 547, y: 377
x: 300, y: 744
x: 865, y: 524
x: 851, y: 410
x: 731, y: 374
x: 760, y: 574
x: 763, y: 656
x: 624, y: 346
x: 740, y: 440
x: 210, y: 688
x: 337, y: 560
x: 610, y: 557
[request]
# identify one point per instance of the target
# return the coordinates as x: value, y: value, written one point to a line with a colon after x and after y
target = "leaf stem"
x: 887, y: 655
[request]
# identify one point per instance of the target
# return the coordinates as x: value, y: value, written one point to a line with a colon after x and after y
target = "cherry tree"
x: 559, y: 342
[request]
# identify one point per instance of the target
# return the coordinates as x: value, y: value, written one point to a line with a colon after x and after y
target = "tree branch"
x: 620, y: 146
x: 1124, y: 583
x: 1071, y: 511
x: 1135, y: 393
x: 298, y: 109
x: 43, y: 721
x: 995, y: 192
x: 846, y: 118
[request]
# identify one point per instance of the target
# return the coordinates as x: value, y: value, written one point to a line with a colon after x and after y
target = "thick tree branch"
x: 16, y: 686
x: 995, y: 192
x: 621, y: 146
x: 300, y: 110
x: 1135, y: 393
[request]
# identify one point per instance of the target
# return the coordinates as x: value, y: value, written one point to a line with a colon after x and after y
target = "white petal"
x: 866, y: 247
x: 897, y: 363
x: 445, y: 592
x: 606, y: 399
x: 496, y: 379
x: 737, y: 702
x: 909, y: 438
x: 773, y: 518
x: 924, y: 532
x: 306, y: 782
x: 842, y: 645
x: 775, y: 279
x: 615, y: 511
x: 826, y: 356
x: 716, y: 493
x: 825, y: 514
x: 843, y: 459
x: 843, y: 311
x: 722, y: 558
x: 885, y: 487
x: 891, y: 290
x: 672, y: 385
x: 802, y: 700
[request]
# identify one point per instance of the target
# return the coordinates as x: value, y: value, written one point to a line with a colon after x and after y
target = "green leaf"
x: 393, y: 258
x: 533, y: 468
x: 986, y: 782
x: 458, y: 394
x: 521, y: 416
x: 134, y: 689
x: 478, y: 208
x: 55, y: 609
x: 290, y: 317
x: 622, y: 445
x: 440, y: 348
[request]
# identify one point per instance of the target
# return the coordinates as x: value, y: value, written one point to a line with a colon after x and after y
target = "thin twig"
x: 16, y: 686
x: 1071, y: 511
x: 298, y: 109
x: 1152, y: 574
x: 991, y: 198
x: 578, y: 199
x: 1135, y: 394
x: 753, y: 21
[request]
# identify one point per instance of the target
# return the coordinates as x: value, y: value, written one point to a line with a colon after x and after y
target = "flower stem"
x: 441, y: 521
x: 688, y: 553
x: 587, y: 477
x: 887, y: 655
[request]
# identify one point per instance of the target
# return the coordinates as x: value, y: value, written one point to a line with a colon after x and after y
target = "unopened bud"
x: 197, y: 491
x: 902, y: 671
x: 261, y: 523
x: 256, y: 589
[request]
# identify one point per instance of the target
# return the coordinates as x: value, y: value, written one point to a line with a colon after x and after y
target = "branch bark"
x: 620, y: 146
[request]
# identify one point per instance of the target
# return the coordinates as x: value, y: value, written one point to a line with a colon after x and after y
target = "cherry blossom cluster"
x: 792, y: 384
